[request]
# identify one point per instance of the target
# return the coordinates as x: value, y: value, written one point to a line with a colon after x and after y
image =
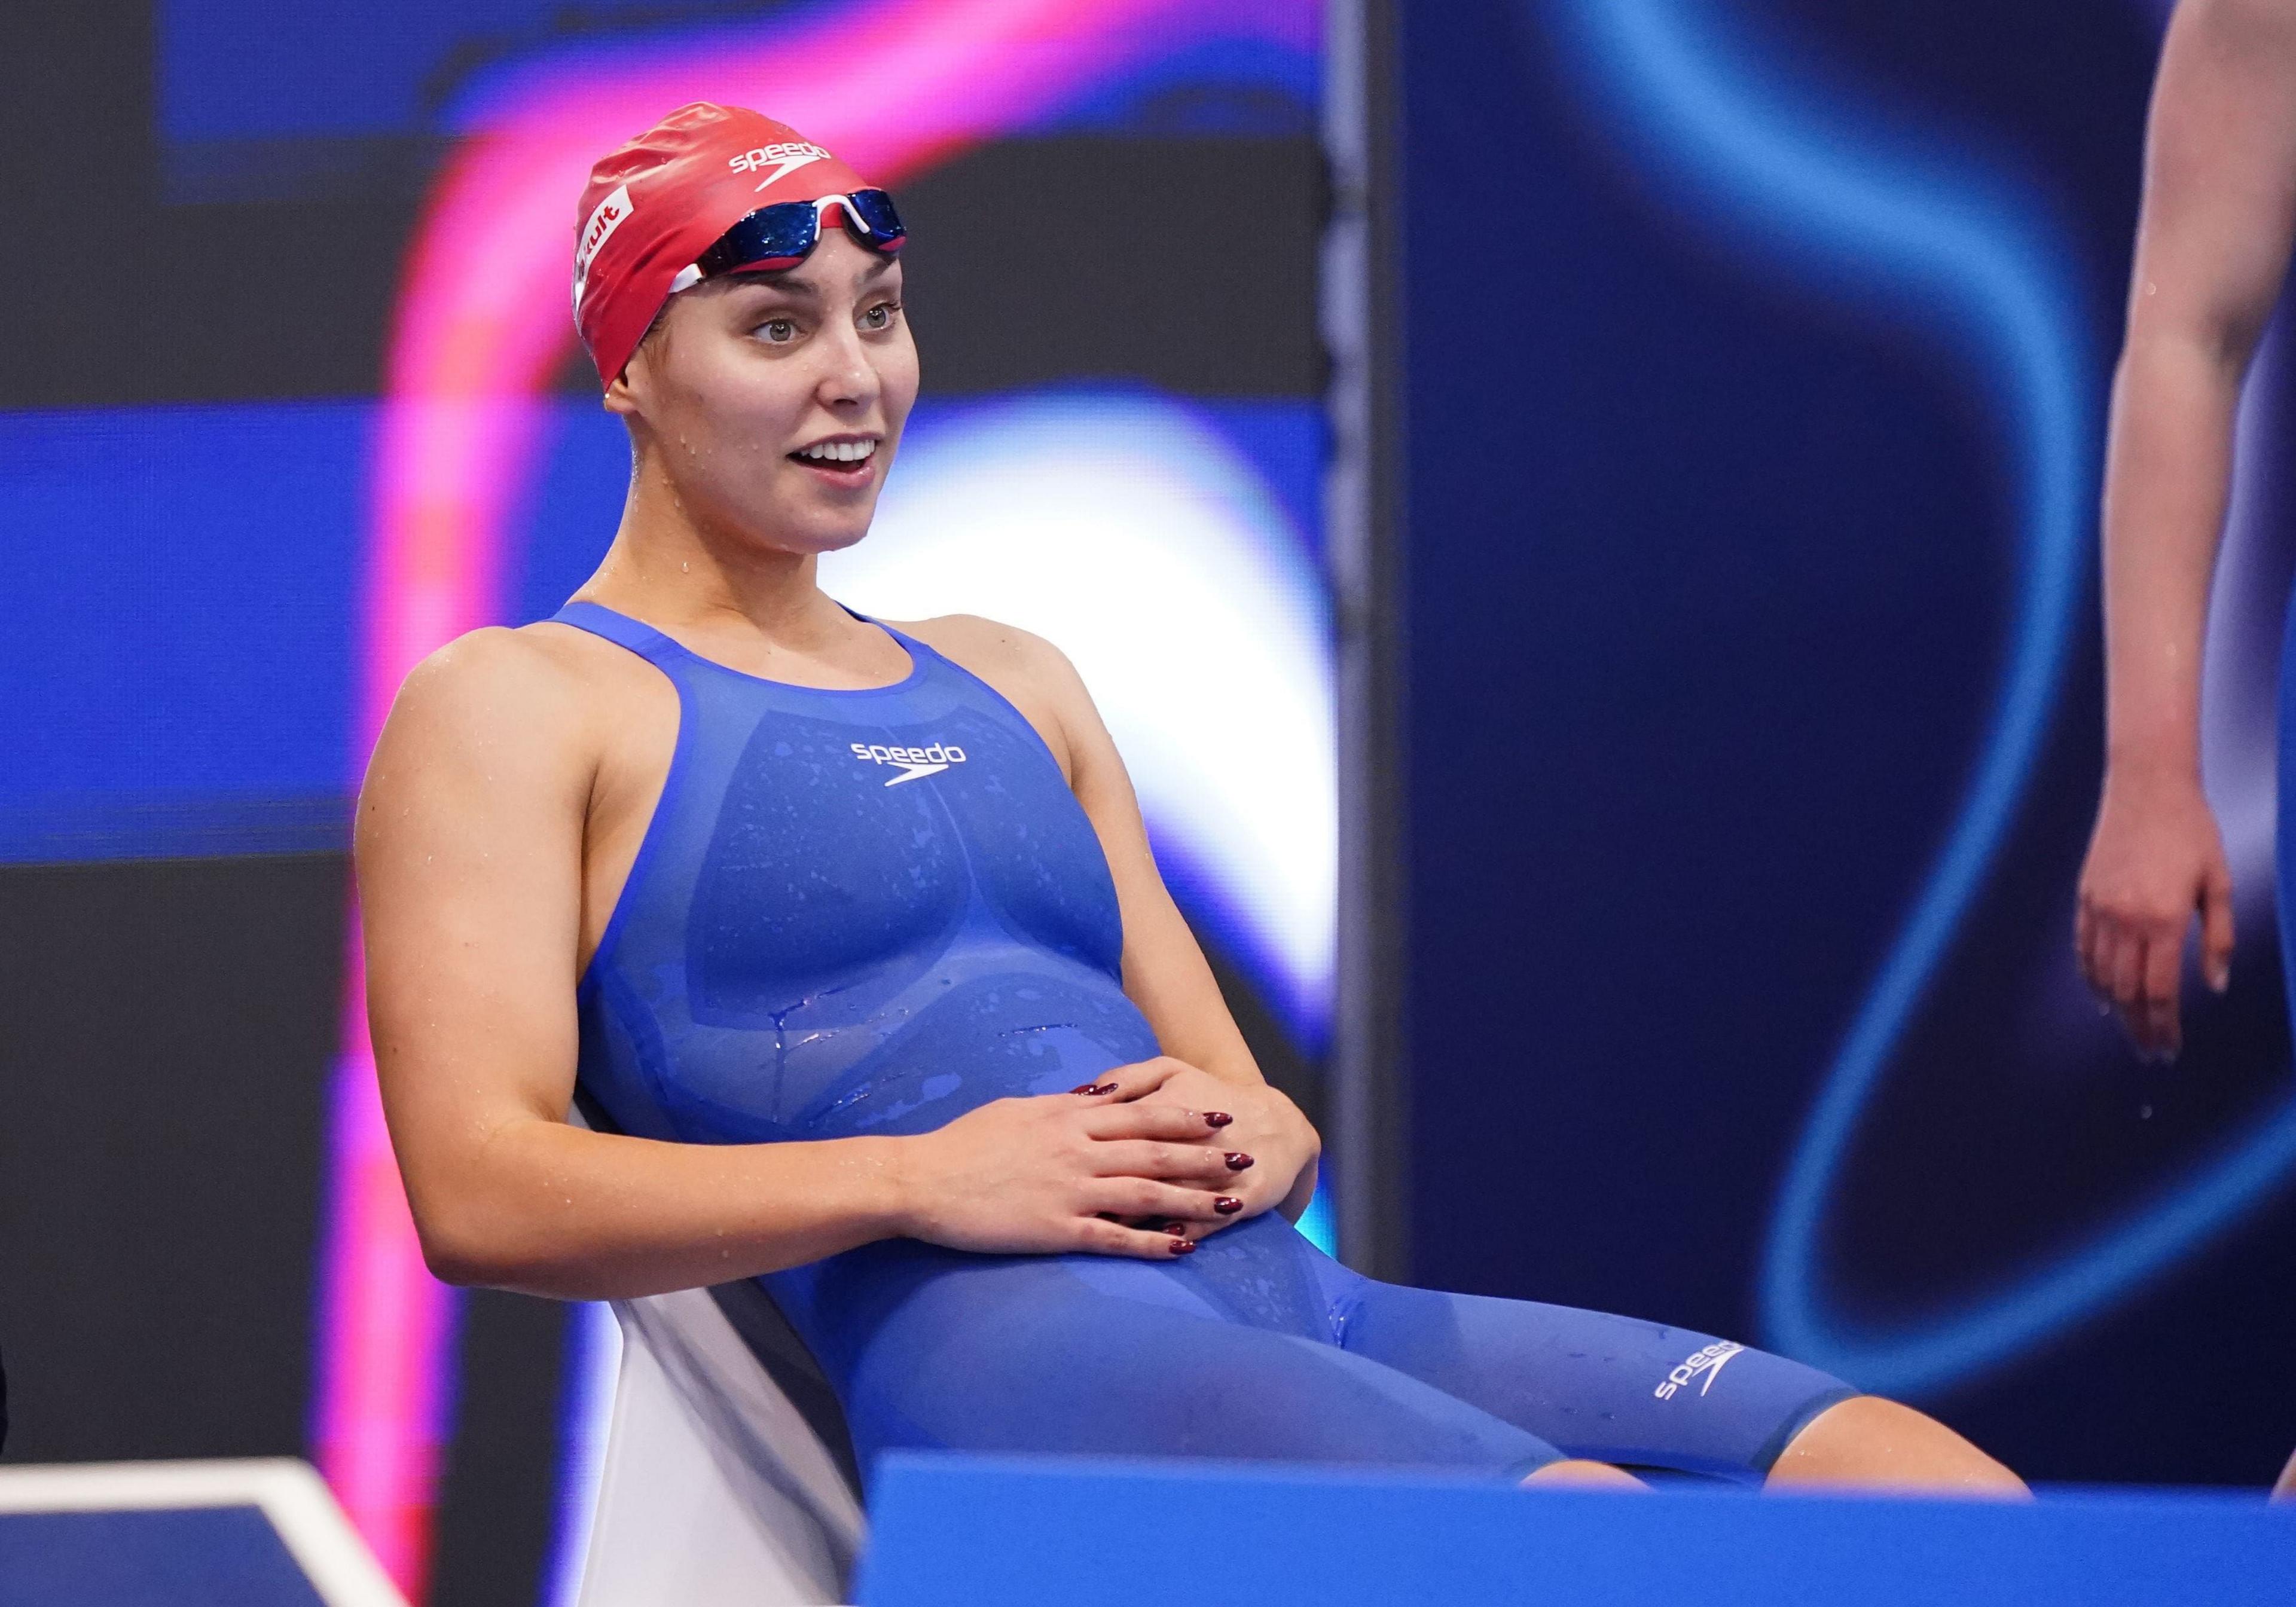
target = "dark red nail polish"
x: 1237, y: 1160
x: 1184, y: 1247
x: 1227, y: 1206
x: 1217, y: 1118
x: 1084, y: 1088
x: 1104, y: 1088
x: 1178, y: 1230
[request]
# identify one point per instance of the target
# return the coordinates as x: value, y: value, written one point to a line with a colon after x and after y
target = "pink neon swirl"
x: 481, y: 326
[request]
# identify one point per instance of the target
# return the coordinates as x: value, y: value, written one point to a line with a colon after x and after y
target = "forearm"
x: 2167, y: 469
x: 548, y: 1208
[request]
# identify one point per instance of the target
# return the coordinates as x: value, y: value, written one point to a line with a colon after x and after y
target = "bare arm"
x: 2212, y: 248
x: 469, y: 851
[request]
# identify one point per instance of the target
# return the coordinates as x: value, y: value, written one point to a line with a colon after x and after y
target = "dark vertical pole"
x: 1362, y: 330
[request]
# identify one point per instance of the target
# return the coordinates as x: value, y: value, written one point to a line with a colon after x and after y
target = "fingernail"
x: 1184, y: 1247
x: 1217, y: 1118
x: 1084, y: 1088
x: 1237, y: 1160
x: 1226, y: 1205
x: 1178, y: 1230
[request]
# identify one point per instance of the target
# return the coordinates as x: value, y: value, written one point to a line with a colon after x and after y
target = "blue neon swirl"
x: 1831, y: 197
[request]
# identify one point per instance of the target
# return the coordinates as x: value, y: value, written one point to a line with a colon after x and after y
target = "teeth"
x: 839, y: 452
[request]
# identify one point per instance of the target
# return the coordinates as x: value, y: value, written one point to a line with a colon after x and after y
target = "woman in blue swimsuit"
x: 851, y: 937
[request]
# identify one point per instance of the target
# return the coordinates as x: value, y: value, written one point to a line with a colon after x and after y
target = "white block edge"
x: 289, y: 1493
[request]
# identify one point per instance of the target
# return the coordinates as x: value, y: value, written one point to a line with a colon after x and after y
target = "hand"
x: 1060, y: 1172
x: 2155, y: 858
x: 1276, y: 1145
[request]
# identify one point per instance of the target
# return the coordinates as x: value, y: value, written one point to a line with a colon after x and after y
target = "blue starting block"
x: 1020, y: 1531
x: 263, y: 1533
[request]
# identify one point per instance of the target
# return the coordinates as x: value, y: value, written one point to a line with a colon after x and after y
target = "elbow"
x: 462, y: 1250
x: 457, y: 1260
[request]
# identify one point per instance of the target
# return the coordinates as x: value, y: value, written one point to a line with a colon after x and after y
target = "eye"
x: 879, y: 316
x: 777, y: 332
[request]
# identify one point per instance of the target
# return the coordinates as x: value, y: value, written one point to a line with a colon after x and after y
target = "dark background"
x: 1711, y: 558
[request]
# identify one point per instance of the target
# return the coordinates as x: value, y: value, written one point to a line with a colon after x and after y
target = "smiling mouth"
x: 847, y: 460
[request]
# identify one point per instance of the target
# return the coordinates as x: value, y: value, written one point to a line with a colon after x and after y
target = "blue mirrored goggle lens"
x: 783, y: 234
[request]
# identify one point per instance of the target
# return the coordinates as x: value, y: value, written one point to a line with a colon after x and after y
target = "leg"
x: 1597, y: 1386
x: 1869, y: 1443
x: 1578, y: 1474
x: 1095, y: 1356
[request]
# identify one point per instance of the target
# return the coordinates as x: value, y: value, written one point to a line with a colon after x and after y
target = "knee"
x: 1870, y: 1443
x: 1572, y: 1473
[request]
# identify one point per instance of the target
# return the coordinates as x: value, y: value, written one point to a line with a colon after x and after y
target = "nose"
x: 849, y: 382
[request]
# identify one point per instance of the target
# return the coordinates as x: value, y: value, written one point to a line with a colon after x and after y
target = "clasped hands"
x: 1145, y: 1162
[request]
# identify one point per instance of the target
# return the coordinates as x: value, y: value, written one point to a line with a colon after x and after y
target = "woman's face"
x: 772, y: 405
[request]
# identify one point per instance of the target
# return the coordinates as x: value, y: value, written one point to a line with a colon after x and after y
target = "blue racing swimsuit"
x: 869, y: 911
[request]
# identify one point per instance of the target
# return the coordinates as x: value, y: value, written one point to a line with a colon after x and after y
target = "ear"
x: 621, y: 396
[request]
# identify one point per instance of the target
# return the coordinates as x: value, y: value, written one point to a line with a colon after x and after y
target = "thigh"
x: 1038, y: 1355
x: 1608, y: 1388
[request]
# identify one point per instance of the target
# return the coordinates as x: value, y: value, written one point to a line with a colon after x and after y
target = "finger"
x: 2124, y: 967
x: 1168, y: 1122
x: 2216, y: 928
x: 1172, y: 1162
x: 1122, y: 1083
x: 1147, y: 1197
x: 2163, y: 960
x: 1103, y: 1237
x: 2085, y: 942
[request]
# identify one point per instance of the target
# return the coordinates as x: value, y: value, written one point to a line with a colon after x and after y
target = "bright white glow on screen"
x: 1140, y: 543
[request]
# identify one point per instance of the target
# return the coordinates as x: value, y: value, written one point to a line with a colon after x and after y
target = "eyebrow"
x: 778, y: 278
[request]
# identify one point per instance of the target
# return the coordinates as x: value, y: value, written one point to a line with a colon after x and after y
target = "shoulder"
x: 505, y: 706
x: 495, y: 678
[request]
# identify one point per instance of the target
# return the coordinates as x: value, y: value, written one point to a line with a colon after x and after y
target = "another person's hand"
x: 1060, y: 1172
x: 2156, y: 860
x: 1276, y: 1145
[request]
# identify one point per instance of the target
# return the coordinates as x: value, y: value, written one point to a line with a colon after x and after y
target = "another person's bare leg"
x: 1577, y: 1473
x: 1869, y: 1443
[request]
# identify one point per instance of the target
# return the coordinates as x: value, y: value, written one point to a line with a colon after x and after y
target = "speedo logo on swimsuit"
x: 1708, y: 1361
x: 916, y: 763
x: 785, y: 157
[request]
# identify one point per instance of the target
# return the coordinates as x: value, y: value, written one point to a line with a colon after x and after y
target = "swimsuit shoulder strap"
x: 639, y: 638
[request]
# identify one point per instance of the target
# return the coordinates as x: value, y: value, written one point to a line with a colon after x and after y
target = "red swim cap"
x: 652, y: 208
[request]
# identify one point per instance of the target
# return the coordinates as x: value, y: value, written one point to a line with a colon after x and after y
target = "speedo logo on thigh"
x: 916, y: 763
x: 1708, y: 1361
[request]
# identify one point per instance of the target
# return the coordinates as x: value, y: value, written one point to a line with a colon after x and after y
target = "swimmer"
x: 2212, y: 250
x: 849, y: 933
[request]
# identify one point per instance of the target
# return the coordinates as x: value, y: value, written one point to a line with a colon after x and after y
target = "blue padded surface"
x: 1084, y: 1533
x: 209, y: 1557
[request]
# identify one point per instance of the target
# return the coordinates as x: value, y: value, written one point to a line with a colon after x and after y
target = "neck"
x: 677, y: 569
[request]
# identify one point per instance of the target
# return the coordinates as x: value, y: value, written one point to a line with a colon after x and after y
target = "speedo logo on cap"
x: 609, y: 215
x: 916, y: 763
x: 785, y: 157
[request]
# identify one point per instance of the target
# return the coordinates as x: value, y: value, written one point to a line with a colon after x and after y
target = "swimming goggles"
x: 784, y: 235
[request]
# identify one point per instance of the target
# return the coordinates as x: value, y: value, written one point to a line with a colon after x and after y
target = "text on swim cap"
x: 785, y: 157
x: 609, y: 215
